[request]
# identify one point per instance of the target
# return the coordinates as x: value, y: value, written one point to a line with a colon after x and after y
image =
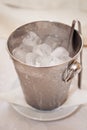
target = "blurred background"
x: 14, y: 13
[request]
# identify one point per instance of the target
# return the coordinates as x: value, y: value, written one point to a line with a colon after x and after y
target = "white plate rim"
x: 71, y: 112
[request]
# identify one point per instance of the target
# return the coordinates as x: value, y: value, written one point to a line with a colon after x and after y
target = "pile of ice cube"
x: 35, y: 53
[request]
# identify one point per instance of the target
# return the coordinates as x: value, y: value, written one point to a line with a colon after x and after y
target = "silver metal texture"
x: 44, y: 87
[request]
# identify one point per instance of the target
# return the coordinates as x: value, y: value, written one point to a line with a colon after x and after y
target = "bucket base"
x: 40, y: 115
x: 45, y: 108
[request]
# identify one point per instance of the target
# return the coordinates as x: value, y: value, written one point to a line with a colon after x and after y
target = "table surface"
x: 11, y: 120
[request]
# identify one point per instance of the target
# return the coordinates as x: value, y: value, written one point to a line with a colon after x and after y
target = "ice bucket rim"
x: 67, y: 61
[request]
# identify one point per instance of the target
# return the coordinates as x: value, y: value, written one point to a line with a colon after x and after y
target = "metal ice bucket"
x: 46, y: 88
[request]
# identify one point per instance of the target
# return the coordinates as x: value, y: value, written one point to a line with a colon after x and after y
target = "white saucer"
x: 52, y: 115
x: 32, y: 113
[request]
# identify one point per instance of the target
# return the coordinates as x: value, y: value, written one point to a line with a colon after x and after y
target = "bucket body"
x: 44, y: 87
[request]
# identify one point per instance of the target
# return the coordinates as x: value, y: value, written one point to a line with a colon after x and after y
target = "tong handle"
x: 80, y: 74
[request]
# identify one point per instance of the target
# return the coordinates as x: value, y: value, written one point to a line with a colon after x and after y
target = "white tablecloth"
x: 11, y: 120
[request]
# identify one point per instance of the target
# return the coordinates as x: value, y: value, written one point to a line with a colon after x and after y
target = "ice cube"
x: 28, y: 48
x: 60, y: 52
x: 65, y: 57
x: 42, y: 50
x: 55, y: 61
x: 52, y: 41
x: 31, y: 59
x: 31, y: 39
x: 20, y: 53
x: 43, y: 61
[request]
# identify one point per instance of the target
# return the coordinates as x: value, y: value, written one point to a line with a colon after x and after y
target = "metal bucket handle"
x: 75, y: 67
